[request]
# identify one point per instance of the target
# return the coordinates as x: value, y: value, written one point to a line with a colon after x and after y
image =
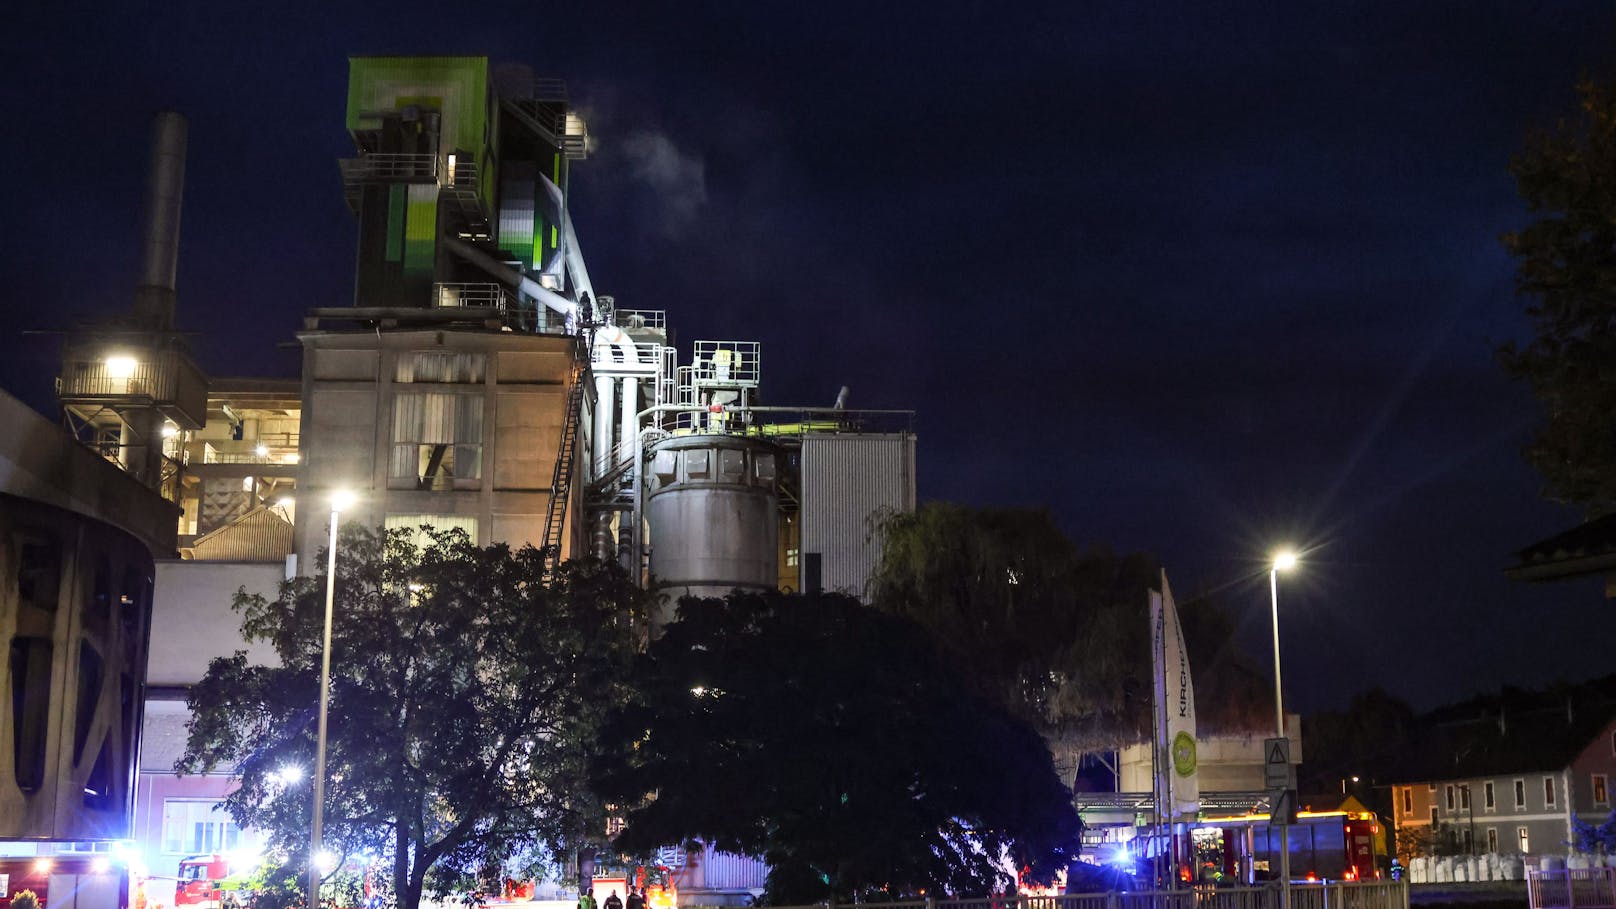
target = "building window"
x: 1408, y: 800
x: 415, y: 522
x: 1464, y: 797
x: 1492, y: 839
x: 440, y: 366
x: 1520, y: 793
x: 1601, y: 794
x: 1433, y: 816
x: 1489, y: 799
x: 192, y: 826
x: 1448, y: 791
x: 1613, y: 744
x: 437, y: 439
x: 1523, y: 839
x: 1548, y: 792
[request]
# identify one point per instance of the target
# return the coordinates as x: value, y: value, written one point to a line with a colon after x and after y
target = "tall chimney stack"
x: 160, y: 245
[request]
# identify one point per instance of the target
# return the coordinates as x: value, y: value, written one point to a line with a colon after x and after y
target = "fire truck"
x: 66, y: 881
x: 1324, y: 846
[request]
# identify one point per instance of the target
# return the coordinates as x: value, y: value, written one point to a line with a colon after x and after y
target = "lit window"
x: 192, y: 826
x: 437, y: 439
x: 414, y: 523
x: 1523, y: 837
x: 439, y: 366
x: 1601, y: 795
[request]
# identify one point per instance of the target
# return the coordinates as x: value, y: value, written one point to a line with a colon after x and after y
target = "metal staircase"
x: 555, y: 521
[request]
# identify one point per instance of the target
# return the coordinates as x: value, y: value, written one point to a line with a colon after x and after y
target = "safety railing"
x: 1334, y: 895
x: 726, y: 363
x: 1571, y: 888
x: 448, y: 295
x: 387, y: 167
x: 633, y: 319
x: 462, y: 172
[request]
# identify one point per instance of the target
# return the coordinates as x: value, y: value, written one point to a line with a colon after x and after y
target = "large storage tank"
x: 713, y: 516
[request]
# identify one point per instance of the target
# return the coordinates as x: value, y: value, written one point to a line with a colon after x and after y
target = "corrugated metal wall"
x: 728, y: 871
x: 848, y: 479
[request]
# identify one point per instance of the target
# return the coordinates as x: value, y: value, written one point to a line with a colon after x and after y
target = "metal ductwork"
x: 512, y: 278
x: 160, y: 243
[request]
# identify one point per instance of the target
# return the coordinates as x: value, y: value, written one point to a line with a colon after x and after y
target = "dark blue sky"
x: 1196, y: 277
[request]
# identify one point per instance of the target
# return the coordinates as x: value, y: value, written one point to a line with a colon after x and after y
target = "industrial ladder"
x: 561, y: 481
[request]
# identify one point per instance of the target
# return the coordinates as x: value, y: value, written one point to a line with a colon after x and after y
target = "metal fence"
x: 1571, y: 888
x: 1341, y: 895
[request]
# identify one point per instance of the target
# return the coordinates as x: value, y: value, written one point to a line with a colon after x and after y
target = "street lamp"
x: 1284, y: 560
x: 340, y: 500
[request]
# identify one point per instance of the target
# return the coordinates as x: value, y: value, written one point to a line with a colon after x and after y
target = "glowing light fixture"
x: 42, y: 865
x: 100, y: 865
x: 1285, y: 559
x: 341, y: 500
x: 121, y: 367
x: 261, y: 450
x: 170, y: 430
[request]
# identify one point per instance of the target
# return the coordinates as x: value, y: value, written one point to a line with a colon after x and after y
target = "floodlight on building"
x: 261, y: 450
x: 100, y: 865
x: 170, y: 430
x: 42, y: 865
x: 121, y: 367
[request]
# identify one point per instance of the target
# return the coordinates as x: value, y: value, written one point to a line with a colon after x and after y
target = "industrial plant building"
x: 477, y: 381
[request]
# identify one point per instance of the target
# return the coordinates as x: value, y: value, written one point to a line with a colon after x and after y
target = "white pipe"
x: 631, y: 423
x: 610, y: 336
x: 569, y: 241
x: 575, y: 258
x: 604, y: 386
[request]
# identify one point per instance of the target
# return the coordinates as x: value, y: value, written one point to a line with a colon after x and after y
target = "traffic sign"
x: 1282, y: 807
x: 1277, y: 770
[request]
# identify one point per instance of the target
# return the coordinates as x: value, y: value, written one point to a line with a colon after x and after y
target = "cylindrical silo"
x: 713, y: 514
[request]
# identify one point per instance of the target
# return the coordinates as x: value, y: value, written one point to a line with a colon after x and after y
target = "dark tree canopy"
x: 465, y: 700
x: 1059, y: 635
x: 836, y: 743
x: 1566, y: 269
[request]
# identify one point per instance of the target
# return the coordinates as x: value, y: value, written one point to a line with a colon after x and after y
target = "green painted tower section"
x: 448, y: 147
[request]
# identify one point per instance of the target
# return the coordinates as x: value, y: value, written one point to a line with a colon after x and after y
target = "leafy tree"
x: 465, y: 700
x: 1566, y: 268
x: 1591, y: 838
x: 1058, y: 635
x: 836, y: 743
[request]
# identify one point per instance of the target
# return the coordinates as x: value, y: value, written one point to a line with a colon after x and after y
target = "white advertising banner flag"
x: 1177, y: 789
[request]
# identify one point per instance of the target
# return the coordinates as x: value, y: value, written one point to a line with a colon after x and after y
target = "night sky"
x: 1199, y: 278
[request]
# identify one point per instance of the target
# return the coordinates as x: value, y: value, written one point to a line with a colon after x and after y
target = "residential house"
x: 1508, y: 774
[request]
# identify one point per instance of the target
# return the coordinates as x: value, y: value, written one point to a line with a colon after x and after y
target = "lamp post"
x: 1284, y: 560
x: 339, y: 501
